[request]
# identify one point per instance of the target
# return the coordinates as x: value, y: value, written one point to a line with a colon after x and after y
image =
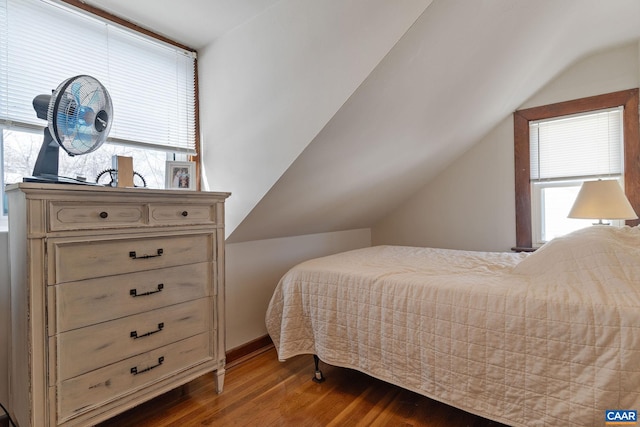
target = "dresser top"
x: 48, y: 189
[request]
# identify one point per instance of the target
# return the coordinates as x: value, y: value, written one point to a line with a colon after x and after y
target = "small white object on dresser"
x: 117, y: 296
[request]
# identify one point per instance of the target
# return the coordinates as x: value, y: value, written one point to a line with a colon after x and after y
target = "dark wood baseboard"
x: 247, y: 351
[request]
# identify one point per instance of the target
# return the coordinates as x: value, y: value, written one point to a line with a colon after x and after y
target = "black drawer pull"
x: 184, y: 213
x: 135, y: 336
x: 104, y: 214
x: 134, y: 292
x: 134, y: 370
x: 133, y: 255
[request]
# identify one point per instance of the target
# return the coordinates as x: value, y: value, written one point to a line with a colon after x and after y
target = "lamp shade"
x: 602, y: 199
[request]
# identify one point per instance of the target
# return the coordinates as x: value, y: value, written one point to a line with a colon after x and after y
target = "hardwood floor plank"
x: 262, y: 391
x: 366, y: 408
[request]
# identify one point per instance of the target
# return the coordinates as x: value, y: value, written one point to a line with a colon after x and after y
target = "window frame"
x: 521, y: 118
x: 130, y: 25
x: 78, y: 4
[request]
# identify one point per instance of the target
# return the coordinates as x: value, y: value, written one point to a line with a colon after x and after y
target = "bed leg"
x: 318, y: 377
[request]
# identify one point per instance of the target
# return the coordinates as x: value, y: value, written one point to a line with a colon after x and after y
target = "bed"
x: 548, y: 338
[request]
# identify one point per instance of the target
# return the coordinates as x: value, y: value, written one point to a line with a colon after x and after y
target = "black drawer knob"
x: 184, y: 213
x: 103, y: 215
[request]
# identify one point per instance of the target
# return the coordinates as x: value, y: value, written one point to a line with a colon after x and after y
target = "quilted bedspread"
x: 547, y: 339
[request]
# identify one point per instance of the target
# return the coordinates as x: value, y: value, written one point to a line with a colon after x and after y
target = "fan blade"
x: 80, y: 119
x: 95, y: 93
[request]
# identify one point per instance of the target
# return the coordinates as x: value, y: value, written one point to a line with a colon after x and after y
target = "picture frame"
x: 180, y: 175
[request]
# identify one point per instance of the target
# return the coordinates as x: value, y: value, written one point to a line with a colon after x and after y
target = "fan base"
x: 54, y: 179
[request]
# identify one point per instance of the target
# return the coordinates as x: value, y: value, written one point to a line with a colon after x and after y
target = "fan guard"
x: 79, y: 113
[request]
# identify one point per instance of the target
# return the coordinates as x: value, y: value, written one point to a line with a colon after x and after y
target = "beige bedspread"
x: 552, y: 338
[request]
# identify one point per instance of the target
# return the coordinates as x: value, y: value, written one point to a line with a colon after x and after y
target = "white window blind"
x: 577, y: 146
x: 152, y: 84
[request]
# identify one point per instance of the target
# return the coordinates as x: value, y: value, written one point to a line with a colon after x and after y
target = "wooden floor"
x: 264, y: 392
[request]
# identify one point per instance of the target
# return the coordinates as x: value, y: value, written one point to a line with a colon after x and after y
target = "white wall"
x: 468, y: 206
x: 471, y: 205
x: 270, y: 85
x: 254, y: 269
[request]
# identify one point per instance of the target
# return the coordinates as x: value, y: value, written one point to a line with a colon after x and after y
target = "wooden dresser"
x: 117, y: 296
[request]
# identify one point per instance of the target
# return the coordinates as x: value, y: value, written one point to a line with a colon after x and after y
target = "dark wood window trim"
x: 127, y: 24
x: 123, y: 22
x: 521, y: 119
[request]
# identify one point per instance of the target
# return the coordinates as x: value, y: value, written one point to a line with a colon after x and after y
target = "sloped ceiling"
x: 270, y: 86
x: 459, y: 70
x: 379, y: 101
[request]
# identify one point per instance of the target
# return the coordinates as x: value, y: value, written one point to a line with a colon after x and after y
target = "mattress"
x: 551, y: 338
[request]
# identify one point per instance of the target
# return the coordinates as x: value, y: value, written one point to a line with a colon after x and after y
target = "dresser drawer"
x: 79, y: 304
x: 75, y: 215
x: 79, y: 260
x: 85, y: 349
x: 175, y: 214
x: 86, y: 392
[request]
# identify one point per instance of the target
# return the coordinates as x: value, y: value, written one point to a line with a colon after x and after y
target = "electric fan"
x: 79, y: 114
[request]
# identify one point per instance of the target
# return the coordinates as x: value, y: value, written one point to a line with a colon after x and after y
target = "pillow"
x: 591, y: 248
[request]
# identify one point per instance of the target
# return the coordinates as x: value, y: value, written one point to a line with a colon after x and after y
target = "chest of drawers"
x: 117, y: 296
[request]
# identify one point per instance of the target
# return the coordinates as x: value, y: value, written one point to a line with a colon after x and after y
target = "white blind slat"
x: 585, y: 145
x: 152, y: 84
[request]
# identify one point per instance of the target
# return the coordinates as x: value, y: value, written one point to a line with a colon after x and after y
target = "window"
x: 559, y: 146
x: 564, y: 152
x: 151, y: 82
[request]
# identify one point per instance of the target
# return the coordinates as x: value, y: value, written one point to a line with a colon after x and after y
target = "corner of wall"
x: 638, y: 62
x: 254, y: 268
x: 4, y: 317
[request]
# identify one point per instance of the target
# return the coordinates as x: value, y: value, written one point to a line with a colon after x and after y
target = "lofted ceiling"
x: 428, y: 90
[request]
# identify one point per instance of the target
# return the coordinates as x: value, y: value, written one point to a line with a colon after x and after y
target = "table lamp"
x: 602, y: 199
